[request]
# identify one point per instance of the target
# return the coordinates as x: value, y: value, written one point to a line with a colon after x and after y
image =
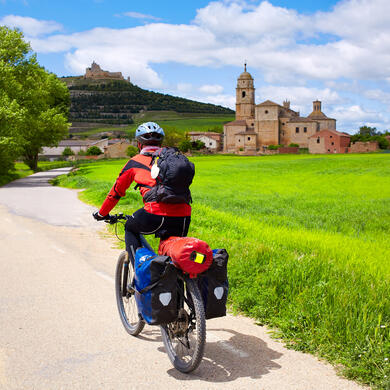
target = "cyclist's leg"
x: 174, y: 226
x: 141, y: 222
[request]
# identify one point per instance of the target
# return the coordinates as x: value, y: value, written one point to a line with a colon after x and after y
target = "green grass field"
x: 308, y: 238
x: 170, y: 121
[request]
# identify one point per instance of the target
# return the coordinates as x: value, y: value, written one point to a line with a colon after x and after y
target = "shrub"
x: 173, y: 139
x: 131, y: 151
x: 94, y: 151
x: 68, y: 152
x: 185, y: 146
x: 292, y: 145
x: 273, y: 147
x: 197, y: 145
x: 81, y: 153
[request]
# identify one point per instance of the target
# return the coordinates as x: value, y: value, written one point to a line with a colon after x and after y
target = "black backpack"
x: 173, y: 173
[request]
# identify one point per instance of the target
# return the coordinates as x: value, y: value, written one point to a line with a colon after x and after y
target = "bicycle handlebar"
x: 114, y: 218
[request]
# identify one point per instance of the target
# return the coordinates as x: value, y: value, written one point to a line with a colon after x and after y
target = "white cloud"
x: 221, y: 99
x: 298, y: 95
x: 30, y: 26
x: 354, y: 116
x: 284, y: 46
x: 184, y: 87
x: 211, y: 89
x: 139, y: 72
x: 138, y: 15
x: 378, y: 94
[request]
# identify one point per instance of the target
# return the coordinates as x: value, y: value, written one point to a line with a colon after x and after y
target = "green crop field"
x: 308, y: 238
x: 170, y: 121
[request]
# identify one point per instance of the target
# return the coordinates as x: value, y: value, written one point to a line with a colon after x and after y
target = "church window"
x: 283, y: 124
x: 305, y: 129
x: 249, y: 138
x: 243, y: 94
x: 331, y: 136
x: 210, y: 144
x: 318, y: 140
x: 332, y: 143
x: 266, y: 111
x: 252, y: 124
x: 297, y: 129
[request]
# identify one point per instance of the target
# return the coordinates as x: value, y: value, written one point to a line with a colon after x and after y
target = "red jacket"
x: 138, y: 169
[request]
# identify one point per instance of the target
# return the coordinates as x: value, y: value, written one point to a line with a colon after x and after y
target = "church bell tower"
x: 245, y: 96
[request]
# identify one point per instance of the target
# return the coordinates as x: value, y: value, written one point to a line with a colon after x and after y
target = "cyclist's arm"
x: 122, y: 183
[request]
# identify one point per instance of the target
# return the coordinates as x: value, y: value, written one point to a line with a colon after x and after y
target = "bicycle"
x: 184, y: 339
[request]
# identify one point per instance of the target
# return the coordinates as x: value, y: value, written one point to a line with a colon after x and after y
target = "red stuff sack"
x: 191, y: 255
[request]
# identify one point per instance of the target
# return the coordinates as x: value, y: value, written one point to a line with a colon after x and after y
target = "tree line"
x: 367, y: 133
x: 34, y: 104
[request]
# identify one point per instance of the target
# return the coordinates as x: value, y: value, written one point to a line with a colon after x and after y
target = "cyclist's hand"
x: 99, y: 217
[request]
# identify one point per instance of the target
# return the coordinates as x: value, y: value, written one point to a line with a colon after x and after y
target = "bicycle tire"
x: 131, y: 320
x: 186, y: 359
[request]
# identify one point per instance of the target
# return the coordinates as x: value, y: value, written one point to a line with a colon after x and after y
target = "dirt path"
x: 59, y: 323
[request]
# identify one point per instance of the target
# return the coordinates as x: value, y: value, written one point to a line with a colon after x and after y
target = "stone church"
x: 260, y: 125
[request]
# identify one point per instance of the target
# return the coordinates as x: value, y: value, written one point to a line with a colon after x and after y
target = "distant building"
x: 116, y: 148
x: 75, y: 145
x: 329, y: 141
x: 268, y: 123
x: 210, y: 139
x: 96, y: 72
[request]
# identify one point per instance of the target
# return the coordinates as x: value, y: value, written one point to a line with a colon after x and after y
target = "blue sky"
x: 335, y: 51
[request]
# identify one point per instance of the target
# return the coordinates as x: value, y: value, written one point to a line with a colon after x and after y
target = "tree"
x: 131, y: 151
x: 94, y: 151
x: 185, y: 145
x: 173, y: 139
x: 367, y: 131
x: 34, y: 103
x: 67, y: 152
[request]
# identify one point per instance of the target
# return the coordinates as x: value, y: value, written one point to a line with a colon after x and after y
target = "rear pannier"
x: 191, y: 255
x: 155, y: 287
x: 214, y: 286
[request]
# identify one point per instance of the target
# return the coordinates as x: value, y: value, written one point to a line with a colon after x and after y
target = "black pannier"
x: 214, y: 285
x: 155, y: 287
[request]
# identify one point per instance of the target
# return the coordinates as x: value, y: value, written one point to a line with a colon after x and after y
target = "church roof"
x: 335, y: 132
x: 300, y: 119
x: 245, y: 75
x: 268, y: 103
x: 318, y: 115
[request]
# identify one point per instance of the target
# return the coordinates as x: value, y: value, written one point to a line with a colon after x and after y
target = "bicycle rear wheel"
x: 184, y: 339
x: 125, y: 299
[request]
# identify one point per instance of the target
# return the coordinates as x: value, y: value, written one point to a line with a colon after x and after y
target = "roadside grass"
x: 23, y: 170
x: 308, y: 238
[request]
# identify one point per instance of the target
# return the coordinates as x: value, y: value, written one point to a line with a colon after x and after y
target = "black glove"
x: 99, y: 217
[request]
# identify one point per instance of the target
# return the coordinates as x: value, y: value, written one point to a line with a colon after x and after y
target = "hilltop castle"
x: 97, y: 73
x: 268, y: 123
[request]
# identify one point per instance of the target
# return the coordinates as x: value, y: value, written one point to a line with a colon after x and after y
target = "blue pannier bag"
x: 155, y: 287
x: 214, y: 286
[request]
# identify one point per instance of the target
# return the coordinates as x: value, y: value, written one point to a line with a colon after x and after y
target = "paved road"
x: 59, y: 327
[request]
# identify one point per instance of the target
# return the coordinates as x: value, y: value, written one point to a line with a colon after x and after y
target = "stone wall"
x: 363, y: 147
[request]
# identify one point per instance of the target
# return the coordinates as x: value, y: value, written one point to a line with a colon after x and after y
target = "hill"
x: 119, y: 101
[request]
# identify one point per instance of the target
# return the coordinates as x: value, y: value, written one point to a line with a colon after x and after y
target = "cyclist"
x: 161, y: 219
